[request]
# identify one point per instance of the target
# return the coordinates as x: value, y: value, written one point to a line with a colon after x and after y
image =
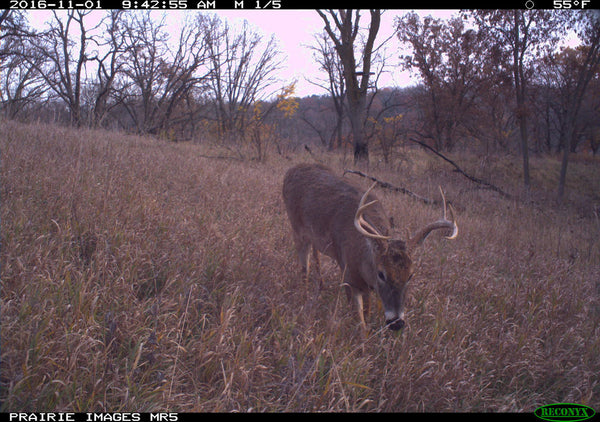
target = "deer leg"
x: 358, y: 297
x: 302, y: 251
x: 366, y: 305
x: 318, y: 267
x: 347, y: 287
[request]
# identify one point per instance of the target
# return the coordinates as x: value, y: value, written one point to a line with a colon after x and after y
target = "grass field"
x: 141, y: 275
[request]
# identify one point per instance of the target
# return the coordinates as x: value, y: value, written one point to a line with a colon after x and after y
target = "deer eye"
x: 381, y: 275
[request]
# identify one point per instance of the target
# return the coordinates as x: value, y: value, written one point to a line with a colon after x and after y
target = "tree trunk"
x: 346, y: 22
x: 563, y: 169
x: 356, y: 108
x: 520, y: 96
x: 588, y: 70
x: 524, y: 149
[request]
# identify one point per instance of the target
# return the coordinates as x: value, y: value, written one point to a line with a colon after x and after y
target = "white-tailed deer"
x: 337, y: 219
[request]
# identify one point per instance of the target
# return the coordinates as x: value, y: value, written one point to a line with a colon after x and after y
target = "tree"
x: 109, y: 65
x: 21, y: 85
x: 343, y: 33
x: 64, y: 60
x: 240, y: 69
x: 450, y: 59
x: 584, y: 70
x: 329, y: 61
x: 158, y: 80
x: 523, y: 34
x: 264, y: 132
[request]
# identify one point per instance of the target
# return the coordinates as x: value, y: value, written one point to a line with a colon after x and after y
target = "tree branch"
x: 387, y: 185
x: 486, y: 184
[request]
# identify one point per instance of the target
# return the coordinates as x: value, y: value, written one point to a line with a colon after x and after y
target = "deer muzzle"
x: 394, y: 321
x: 395, y: 324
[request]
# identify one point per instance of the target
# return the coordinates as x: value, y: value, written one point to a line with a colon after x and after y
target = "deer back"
x: 321, y: 207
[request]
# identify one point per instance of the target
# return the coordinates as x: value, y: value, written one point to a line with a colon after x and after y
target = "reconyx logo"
x: 564, y: 412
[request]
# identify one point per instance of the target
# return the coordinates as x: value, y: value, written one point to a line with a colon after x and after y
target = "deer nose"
x: 396, y: 324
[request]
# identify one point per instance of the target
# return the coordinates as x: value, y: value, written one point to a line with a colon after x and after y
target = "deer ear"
x: 381, y: 245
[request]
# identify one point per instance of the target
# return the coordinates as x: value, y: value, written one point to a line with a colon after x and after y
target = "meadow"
x: 145, y: 275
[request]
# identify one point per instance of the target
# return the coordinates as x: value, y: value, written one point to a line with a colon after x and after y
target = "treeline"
x: 127, y: 71
x: 491, y: 81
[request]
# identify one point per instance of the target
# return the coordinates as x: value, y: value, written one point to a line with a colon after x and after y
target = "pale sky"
x: 294, y: 30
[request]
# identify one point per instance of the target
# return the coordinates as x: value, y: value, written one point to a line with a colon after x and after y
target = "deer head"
x: 392, y: 258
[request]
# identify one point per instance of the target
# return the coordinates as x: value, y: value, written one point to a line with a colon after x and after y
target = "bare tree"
x: 21, y: 85
x: 343, y: 28
x: 523, y: 34
x: 4, y: 16
x: 158, y: 80
x: 63, y: 67
x: 187, y: 73
x: 329, y: 61
x: 580, y: 76
x: 109, y: 64
x: 145, y: 46
x: 240, y: 70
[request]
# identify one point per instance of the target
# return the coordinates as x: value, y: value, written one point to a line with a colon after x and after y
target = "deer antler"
x: 361, y: 224
x: 444, y: 223
x: 453, y: 221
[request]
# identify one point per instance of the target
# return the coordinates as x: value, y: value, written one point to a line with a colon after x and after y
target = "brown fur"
x: 321, y: 208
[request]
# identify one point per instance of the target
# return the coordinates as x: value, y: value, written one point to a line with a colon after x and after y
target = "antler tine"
x: 453, y: 221
x: 443, y: 200
x: 361, y: 224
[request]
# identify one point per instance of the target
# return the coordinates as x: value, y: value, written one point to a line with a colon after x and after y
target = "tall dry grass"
x: 140, y: 275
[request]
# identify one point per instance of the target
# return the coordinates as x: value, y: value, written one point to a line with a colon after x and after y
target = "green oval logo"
x: 559, y: 412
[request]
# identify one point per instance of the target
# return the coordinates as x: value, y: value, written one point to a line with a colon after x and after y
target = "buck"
x: 337, y: 219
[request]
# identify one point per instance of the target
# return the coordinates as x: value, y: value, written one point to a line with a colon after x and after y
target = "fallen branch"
x: 220, y: 157
x: 486, y: 184
x: 386, y: 185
